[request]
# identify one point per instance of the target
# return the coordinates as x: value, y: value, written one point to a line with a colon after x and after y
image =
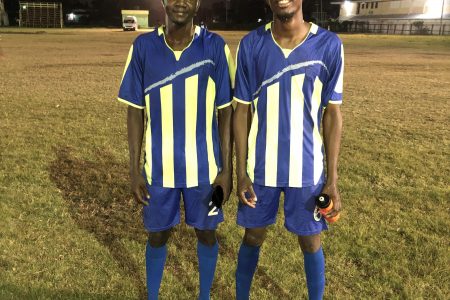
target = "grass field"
x: 70, y: 230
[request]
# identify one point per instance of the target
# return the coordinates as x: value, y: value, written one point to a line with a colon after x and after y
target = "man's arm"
x: 241, y: 130
x: 225, y: 178
x: 135, y: 124
x: 332, y: 131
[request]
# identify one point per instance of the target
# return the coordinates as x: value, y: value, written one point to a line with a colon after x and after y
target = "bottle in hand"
x: 325, y: 204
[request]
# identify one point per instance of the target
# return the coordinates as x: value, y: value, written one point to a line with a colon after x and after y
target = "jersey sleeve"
x: 223, y: 74
x: 242, y: 91
x: 335, y: 84
x: 131, y: 89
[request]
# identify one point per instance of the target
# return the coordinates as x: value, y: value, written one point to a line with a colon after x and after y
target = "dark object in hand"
x: 217, y: 196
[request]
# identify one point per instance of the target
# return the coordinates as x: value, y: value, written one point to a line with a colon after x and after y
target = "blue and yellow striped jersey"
x: 180, y: 92
x: 289, y: 90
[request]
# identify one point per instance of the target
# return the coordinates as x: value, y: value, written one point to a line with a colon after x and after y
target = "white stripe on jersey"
x: 296, y: 147
x: 317, y: 139
x: 288, y: 69
x: 178, y: 73
x: 273, y: 115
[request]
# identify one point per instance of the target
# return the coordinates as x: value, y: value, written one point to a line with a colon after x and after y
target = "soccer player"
x: 177, y: 81
x: 289, y: 73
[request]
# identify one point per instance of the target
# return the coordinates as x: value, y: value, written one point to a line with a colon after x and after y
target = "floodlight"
x: 348, y: 7
x: 433, y: 9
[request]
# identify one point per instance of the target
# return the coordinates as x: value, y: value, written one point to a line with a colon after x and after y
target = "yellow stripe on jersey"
x: 148, y: 143
x: 167, y: 136
x: 130, y: 55
x: 241, y: 101
x: 231, y: 65
x: 252, y: 143
x: 317, y: 139
x: 130, y: 103
x: 273, y: 102
x: 210, y: 103
x: 296, y: 147
x: 191, y: 131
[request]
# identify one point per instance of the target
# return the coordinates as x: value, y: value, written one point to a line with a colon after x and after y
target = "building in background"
x: 141, y: 16
x: 4, y: 21
x: 40, y: 14
x: 397, y: 16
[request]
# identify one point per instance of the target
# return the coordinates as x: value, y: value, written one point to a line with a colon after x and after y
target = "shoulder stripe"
x: 178, y: 73
x: 288, y: 69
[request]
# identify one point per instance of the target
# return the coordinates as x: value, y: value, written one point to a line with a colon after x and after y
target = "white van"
x: 130, y: 23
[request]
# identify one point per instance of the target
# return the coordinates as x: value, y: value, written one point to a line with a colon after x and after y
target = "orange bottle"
x: 325, y: 204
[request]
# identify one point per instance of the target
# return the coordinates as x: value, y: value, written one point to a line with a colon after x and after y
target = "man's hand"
x: 225, y: 181
x: 139, y: 189
x: 332, y: 191
x: 245, y: 186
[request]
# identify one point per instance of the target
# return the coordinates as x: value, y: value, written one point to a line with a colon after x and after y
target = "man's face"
x: 181, y: 12
x: 285, y: 9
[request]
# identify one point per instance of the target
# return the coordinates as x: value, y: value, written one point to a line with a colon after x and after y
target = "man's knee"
x: 158, y: 239
x: 206, y: 237
x: 309, y: 243
x: 255, y: 236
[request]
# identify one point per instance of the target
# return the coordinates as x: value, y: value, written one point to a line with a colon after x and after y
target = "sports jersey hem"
x: 225, y: 105
x: 286, y: 184
x: 178, y: 186
x: 335, y: 101
x: 241, y: 101
x: 130, y: 103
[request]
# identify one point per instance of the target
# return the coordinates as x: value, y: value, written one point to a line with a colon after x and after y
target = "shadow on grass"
x: 99, y: 200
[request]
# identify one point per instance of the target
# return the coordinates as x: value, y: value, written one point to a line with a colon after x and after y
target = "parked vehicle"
x: 130, y: 23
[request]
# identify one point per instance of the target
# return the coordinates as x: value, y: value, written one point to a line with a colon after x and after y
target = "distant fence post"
x: 432, y: 29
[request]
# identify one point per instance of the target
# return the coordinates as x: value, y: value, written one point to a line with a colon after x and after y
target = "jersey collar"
x: 286, y: 52
x: 178, y: 54
x: 314, y: 28
x: 197, y: 32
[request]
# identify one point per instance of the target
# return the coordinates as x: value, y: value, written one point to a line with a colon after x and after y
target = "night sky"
x: 107, y: 12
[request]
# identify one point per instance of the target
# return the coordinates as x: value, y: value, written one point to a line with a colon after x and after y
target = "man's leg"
x: 255, y: 221
x: 204, y: 217
x: 302, y: 219
x: 160, y: 215
x: 314, y: 262
x: 155, y: 258
x: 247, y: 260
x: 207, y: 253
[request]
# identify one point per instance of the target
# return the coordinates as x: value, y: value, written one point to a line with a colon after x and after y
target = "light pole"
x: 226, y: 11
x: 441, y: 29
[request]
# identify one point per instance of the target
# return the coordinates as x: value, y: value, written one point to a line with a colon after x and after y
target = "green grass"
x: 70, y: 230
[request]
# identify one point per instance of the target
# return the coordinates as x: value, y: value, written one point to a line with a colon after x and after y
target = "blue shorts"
x: 300, y: 214
x: 163, y: 210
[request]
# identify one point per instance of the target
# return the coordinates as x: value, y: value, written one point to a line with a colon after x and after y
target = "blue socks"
x: 247, y: 260
x: 315, y: 274
x: 207, y: 260
x: 155, y: 259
